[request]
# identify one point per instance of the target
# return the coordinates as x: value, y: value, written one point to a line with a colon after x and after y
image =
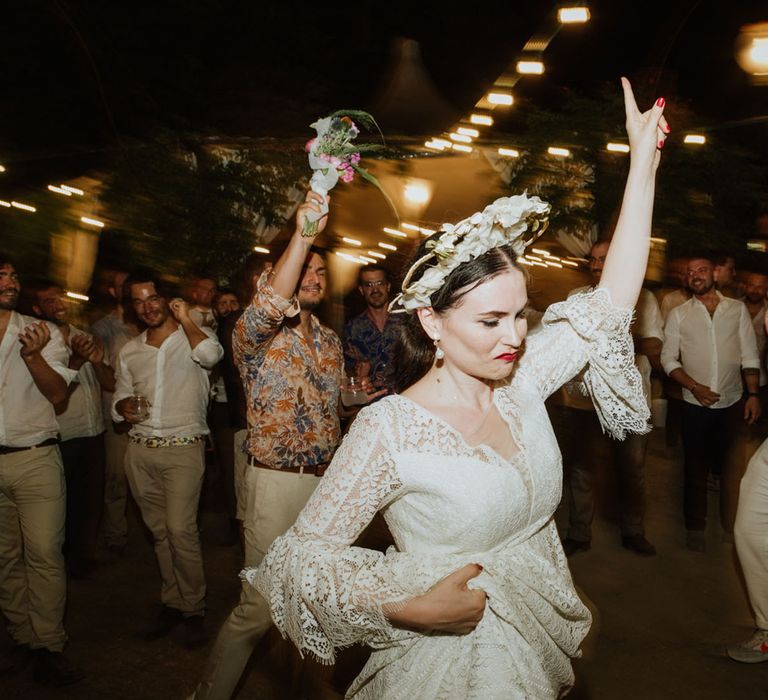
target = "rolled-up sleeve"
x: 123, y: 387
x: 56, y: 355
x: 750, y: 355
x: 207, y: 353
x: 670, y: 350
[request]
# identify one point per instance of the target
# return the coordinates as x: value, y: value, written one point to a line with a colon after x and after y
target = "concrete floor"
x: 661, y: 623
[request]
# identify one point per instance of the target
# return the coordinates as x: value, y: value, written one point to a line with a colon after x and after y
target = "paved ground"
x: 661, y: 623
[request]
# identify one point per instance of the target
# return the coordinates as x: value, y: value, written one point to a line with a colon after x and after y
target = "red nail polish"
x: 660, y: 102
x: 661, y: 144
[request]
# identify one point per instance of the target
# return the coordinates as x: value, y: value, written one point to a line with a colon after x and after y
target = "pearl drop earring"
x: 439, y: 354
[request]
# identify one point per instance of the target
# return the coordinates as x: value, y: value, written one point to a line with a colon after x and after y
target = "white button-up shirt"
x: 712, y: 350
x: 173, y: 377
x: 758, y: 323
x: 27, y: 418
x: 83, y: 416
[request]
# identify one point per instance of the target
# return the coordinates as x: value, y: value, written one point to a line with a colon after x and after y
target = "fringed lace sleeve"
x: 587, y: 329
x: 324, y: 594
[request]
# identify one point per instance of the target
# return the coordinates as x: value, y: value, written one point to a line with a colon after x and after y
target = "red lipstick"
x: 507, y: 356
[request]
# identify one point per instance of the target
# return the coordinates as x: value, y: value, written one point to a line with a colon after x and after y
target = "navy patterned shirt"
x: 364, y: 342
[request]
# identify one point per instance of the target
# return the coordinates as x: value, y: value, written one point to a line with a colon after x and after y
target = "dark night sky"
x: 91, y: 74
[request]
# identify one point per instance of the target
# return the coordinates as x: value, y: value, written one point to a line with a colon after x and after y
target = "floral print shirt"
x: 292, y: 395
x: 365, y: 342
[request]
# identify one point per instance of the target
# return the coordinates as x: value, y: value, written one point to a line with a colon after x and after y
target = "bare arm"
x: 50, y: 383
x: 627, y: 257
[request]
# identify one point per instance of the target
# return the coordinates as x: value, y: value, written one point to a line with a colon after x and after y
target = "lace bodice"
x: 447, y: 504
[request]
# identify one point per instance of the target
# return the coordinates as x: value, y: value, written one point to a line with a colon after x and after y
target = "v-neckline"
x: 480, y: 446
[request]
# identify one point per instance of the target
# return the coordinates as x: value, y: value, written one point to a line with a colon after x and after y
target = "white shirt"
x: 673, y: 300
x: 647, y: 324
x: 27, y: 418
x: 204, y: 318
x: 83, y: 417
x: 712, y: 350
x: 758, y: 323
x: 173, y: 377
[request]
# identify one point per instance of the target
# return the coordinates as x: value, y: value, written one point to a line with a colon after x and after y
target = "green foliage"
x: 189, y: 209
x: 707, y: 196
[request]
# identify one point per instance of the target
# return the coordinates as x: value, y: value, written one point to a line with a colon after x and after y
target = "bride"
x: 476, y: 600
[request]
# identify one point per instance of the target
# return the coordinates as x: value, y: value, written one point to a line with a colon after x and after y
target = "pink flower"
x: 308, y: 145
x: 347, y: 175
x: 354, y: 158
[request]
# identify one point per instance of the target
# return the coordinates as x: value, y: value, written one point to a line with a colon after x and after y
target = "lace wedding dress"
x: 448, y: 504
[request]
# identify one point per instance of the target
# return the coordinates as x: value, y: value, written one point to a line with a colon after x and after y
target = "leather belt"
x: 316, y: 469
x: 45, y: 443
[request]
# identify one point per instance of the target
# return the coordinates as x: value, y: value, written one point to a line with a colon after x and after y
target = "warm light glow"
x: 260, y: 249
x: 351, y: 241
x: 21, y: 205
x: 556, y: 151
x: 758, y: 54
x: 2, y: 168
x: 426, y: 231
x: 387, y: 246
x: 3, y: 203
x: 617, y: 147
x: 500, y: 98
x: 92, y: 222
x: 435, y: 145
x: 410, y: 227
x: 416, y: 194
x: 73, y: 190
x: 509, y: 152
x: 461, y: 137
x: 570, y: 263
x: 466, y: 131
x: 442, y: 142
x: 374, y: 254
x: 395, y: 232
x: 523, y: 261
x: 75, y: 295
x: 350, y: 258
x: 533, y: 257
x: 540, y: 251
x: 530, y: 67
x: 59, y: 190
x: 537, y: 263
x: 367, y: 260
x: 695, y: 138
x: 482, y: 119
x: 573, y: 15
x: 552, y: 263
x: 463, y: 148
x: 655, y: 239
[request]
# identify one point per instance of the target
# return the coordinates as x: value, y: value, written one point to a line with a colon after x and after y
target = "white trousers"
x: 275, y: 500
x: 751, y: 533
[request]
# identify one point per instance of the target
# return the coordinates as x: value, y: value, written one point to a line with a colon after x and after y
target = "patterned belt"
x: 153, y: 441
x: 316, y: 469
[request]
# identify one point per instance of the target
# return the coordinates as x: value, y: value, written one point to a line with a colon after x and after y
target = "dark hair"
x: 371, y: 268
x: 145, y: 275
x: 415, y: 351
x: 721, y: 257
x: 6, y: 259
x: 707, y: 255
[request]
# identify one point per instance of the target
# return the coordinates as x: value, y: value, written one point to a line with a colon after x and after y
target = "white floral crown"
x: 504, y: 222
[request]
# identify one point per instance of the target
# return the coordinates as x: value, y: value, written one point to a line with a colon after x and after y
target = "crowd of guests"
x: 251, y: 381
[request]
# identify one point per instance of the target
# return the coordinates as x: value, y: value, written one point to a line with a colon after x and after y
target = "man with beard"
x: 33, y: 377
x: 291, y: 367
x: 162, y: 391
x: 203, y: 291
x: 578, y: 423
x: 370, y: 337
x: 81, y: 426
x: 708, y: 343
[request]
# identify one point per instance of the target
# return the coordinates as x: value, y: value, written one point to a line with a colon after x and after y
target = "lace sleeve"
x: 587, y: 329
x: 324, y: 594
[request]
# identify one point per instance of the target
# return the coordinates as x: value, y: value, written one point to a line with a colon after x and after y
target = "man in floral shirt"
x: 292, y: 369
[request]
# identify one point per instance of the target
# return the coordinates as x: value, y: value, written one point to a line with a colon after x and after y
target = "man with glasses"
x: 162, y: 391
x: 370, y: 337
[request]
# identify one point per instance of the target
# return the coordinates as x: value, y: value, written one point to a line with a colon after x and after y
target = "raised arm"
x: 627, y: 257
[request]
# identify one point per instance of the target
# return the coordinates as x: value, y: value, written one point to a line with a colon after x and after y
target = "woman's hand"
x: 647, y: 131
x: 449, y: 606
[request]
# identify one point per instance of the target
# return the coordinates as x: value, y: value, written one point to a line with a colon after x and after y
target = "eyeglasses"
x: 374, y: 283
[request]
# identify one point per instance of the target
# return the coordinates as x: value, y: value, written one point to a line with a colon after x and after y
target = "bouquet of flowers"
x: 332, y: 155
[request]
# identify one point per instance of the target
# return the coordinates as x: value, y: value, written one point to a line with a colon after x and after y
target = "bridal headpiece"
x: 516, y: 221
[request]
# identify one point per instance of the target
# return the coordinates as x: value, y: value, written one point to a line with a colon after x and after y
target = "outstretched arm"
x: 627, y: 257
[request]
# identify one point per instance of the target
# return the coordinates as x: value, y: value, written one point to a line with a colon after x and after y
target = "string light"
x: 573, y: 15
x: 481, y: 119
x: 500, y: 98
x: 25, y: 207
x: 557, y: 151
x: 367, y: 260
x: 395, y: 232
x: 698, y: 139
x: 463, y: 148
x: 461, y: 137
x: 75, y: 295
x: 59, y: 190
x: 387, y: 246
x: 374, y: 254
x: 351, y: 241
x: 260, y: 249
x: 2, y: 168
x: 3, y: 203
x: 73, y: 190
x: 466, y: 131
x: 92, y: 222
x: 617, y: 147
x: 434, y: 144
x: 350, y: 258
x: 509, y: 152
x: 530, y: 67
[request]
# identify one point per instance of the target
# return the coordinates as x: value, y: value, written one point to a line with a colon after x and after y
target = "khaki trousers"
x: 166, y: 483
x: 275, y: 500
x: 114, y: 524
x: 751, y: 533
x: 32, y: 580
